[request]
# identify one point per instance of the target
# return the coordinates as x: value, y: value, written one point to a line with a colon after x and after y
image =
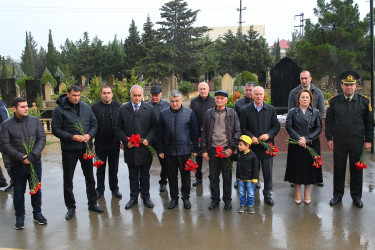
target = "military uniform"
x: 349, y: 123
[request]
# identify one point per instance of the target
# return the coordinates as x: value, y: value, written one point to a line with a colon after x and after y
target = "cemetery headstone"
x: 227, y: 83
x: 33, y: 91
x: 48, y: 91
x: 8, y: 90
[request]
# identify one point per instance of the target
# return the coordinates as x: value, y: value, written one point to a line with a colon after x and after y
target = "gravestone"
x: 227, y: 83
x: 165, y: 87
x: 8, y: 90
x: 33, y: 91
x: 111, y: 80
x: 172, y: 82
x: 18, y: 91
x: 118, y: 76
x: 62, y: 86
x: 83, y: 81
x: 48, y: 92
x: 284, y: 78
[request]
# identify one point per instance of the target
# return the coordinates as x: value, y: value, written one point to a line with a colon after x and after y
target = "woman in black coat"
x: 303, y: 124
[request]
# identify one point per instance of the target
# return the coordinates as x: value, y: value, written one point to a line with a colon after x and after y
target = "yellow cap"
x: 246, y: 139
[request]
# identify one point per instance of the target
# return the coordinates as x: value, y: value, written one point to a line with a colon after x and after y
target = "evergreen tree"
x: 181, y: 39
x: 18, y: 72
x: 27, y: 59
x: 42, y: 63
x: 4, y: 73
x: 60, y: 73
x: 277, y: 51
x: 292, y: 51
x: 132, y: 47
x: 34, y: 52
x: 115, y: 57
x: 52, y: 57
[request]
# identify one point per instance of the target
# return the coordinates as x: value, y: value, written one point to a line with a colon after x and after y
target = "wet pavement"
x: 283, y: 226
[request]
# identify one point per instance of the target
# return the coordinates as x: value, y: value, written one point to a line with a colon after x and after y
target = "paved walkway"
x: 283, y: 226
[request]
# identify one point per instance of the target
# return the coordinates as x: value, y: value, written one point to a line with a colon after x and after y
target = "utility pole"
x: 240, y: 22
x: 301, y: 23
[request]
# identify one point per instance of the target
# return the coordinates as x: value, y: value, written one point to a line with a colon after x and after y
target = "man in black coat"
x: 107, y: 143
x: 70, y: 111
x: 159, y: 105
x: 259, y: 121
x: 247, y: 99
x: 349, y: 130
x: 177, y: 140
x: 15, y: 132
x: 200, y: 105
x: 137, y: 117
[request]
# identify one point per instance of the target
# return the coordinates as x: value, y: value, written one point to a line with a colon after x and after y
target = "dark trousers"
x: 139, y: 179
x: 267, y: 175
x: 6, y: 161
x: 163, y: 171
x: 107, y: 151
x: 21, y: 174
x: 340, y: 155
x: 69, y: 161
x: 217, y: 165
x: 199, y: 160
x: 175, y: 163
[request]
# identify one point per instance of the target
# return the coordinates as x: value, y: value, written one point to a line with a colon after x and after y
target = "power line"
x: 301, y: 23
x: 240, y: 22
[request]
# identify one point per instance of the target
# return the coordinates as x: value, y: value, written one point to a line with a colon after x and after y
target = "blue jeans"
x: 20, y: 175
x: 246, y: 191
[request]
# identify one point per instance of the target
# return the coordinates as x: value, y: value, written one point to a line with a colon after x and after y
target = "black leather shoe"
x: 173, y: 203
x: 70, y: 213
x: 291, y: 184
x: 334, y: 201
x: 257, y: 185
x: 148, y: 203
x: 117, y: 194
x: 10, y: 188
x: 235, y: 185
x: 163, y: 187
x: 228, y: 205
x: 213, y: 205
x: 320, y: 184
x: 99, y: 193
x: 130, y: 204
x: 269, y: 201
x: 358, y: 203
x: 96, y: 208
x: 3, y: 184
x: 187, y: 204
x: 197, y: 182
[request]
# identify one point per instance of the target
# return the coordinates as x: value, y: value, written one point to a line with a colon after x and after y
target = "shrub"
x: 245, y: 77
x: 185, y: 87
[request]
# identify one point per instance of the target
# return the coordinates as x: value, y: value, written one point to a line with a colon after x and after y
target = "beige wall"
x: 220, y: 31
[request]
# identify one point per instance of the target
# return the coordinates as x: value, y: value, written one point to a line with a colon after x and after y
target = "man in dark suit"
x: 259, y: 121
x: 349, y: 130
x: 137, y: 117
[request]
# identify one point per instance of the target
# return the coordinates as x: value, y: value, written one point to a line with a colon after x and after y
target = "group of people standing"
x: 173, y: 130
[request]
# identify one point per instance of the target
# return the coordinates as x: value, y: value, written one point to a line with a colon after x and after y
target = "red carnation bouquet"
x: 191, y: 164
x: 34, y: 183
x: 317, y: 158
x: 271, y: 149
x: 90, y: 153
x: 136, y: 140
x: 220, y: 153
x: 361, y: 164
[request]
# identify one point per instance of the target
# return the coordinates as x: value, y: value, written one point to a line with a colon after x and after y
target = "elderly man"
x: 221, y: 127
x: 259, y: 121
x: 247, y: 99
x: 200, y: 105
x: 159, y: 105
x: 137, y: 117
x: 71, y: 111
x: 349, y: 130
x: 177, y: 139
x: 15, y: 132
x: 107, y: 143
x: 318, y: 103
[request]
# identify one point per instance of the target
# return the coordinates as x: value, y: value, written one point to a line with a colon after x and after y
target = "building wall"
x: 220, y: 31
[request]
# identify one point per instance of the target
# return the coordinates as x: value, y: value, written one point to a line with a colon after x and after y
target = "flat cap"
x: 155, y: 89
x: 222, y: 93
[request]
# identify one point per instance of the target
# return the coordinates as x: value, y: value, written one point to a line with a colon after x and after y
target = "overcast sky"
x: 70, y: 18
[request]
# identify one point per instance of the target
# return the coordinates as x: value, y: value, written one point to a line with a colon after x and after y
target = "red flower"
x: 135, y: 140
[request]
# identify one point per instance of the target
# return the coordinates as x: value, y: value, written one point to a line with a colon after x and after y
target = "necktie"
x: 136, y: 109
x: 348, y: 99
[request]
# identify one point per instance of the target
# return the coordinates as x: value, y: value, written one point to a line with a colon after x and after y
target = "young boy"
x: 247, y: 175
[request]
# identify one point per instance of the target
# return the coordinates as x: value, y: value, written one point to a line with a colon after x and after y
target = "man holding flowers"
x: 259, y: 121
x: 137, y: 119
x: 70, y: 115
x: 220, y: 129
x: 16, y: 132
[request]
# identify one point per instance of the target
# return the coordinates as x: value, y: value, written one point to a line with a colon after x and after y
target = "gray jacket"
x: 16, y: 131
x: 317, y: 96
